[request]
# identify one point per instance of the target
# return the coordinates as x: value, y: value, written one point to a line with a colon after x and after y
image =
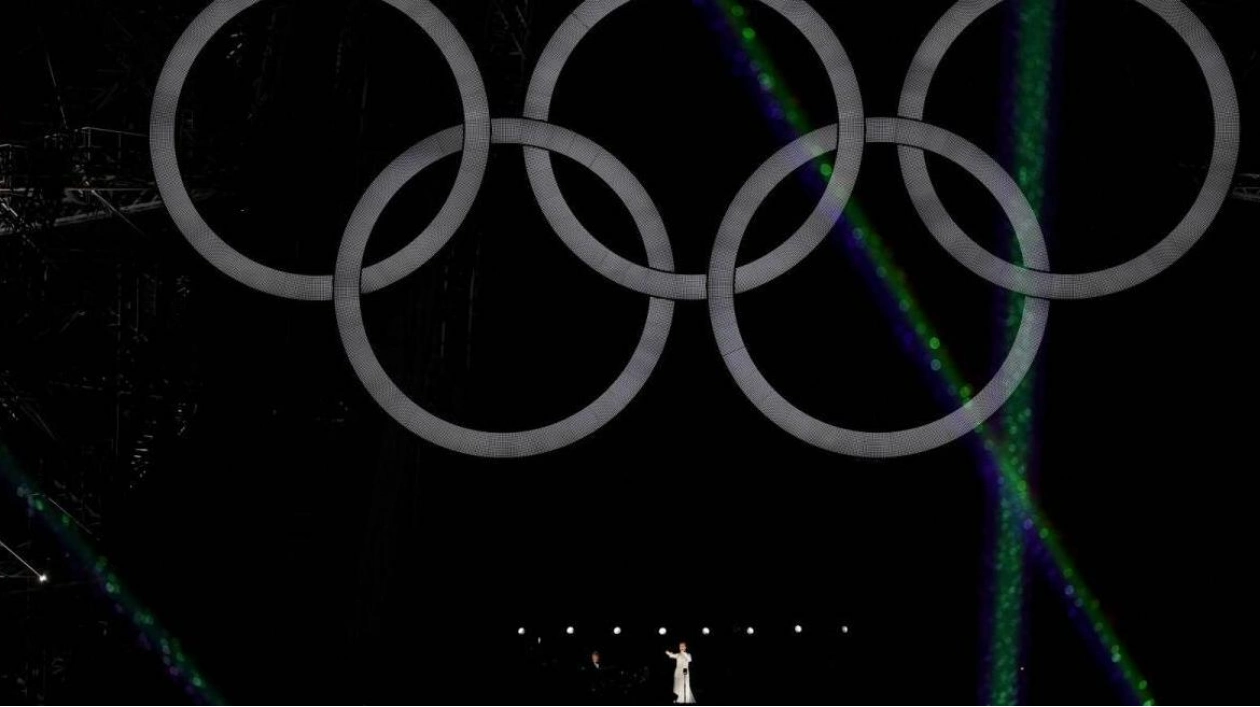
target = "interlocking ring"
x: 851, y: 442
x: 500, y: 444
x: 849, y: 128
x: 253, y: 274
x: 1035, y: 281
x: 724, y: 279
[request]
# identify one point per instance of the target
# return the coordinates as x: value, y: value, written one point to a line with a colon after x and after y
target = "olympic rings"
x: 724, y: 279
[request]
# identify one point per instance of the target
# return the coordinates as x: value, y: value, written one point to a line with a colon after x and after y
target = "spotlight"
x: 662, y: 631
x: 616, y: 630
x: 844, y: 629
x: 43, y: 578
x: 750, y: 630
x: 569, y: 630
x: 798, y: 628
x: 705, y: 631
x: 520, y: 631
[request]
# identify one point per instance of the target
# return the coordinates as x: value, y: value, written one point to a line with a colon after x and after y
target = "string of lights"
x: 740, y: 629
x: 1033, y: 30
x: 179, y: 665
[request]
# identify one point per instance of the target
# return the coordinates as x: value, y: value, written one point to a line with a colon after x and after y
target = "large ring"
x: 346, y: 296
x: 854, y: 442
x: 849, y: 130
x: 1036, y: 281
x: 228, y: 260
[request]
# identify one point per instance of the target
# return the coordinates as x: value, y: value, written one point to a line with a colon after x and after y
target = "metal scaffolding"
x: 510, y: 46
x: 102, y: 175
x: 1247, y: 187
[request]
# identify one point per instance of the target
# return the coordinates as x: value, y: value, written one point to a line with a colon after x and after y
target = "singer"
x: 682, y: 675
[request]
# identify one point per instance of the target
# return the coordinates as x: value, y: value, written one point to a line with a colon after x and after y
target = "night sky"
x: 303, y: 546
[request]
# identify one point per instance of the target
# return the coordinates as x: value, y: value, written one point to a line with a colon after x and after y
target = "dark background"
x: 304, y: 547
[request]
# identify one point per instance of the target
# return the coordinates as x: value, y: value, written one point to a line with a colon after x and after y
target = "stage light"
x: 616, y: 630
x: 520, y: 631
x: 569, y: 630
x: 705, y: 631
x: 798, y: 628
x: 662, y: 631
x: 43, y: 578
x: 844, y: 629
x: 750, y: 630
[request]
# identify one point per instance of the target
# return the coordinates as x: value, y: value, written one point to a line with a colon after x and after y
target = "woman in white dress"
x: 682, y: 675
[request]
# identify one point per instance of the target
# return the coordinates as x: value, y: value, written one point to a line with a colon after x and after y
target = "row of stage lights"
x: 616, y: 631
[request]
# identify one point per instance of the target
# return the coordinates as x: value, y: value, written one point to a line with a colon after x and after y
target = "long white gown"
x: 682, y: 680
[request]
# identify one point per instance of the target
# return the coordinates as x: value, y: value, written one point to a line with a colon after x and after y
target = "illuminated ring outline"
x: 170, y: 181
x: 347, y: 300
x: 1038, y: 282
x: 724, y: 279
x: 854, y: 442
x: 850, y: 128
